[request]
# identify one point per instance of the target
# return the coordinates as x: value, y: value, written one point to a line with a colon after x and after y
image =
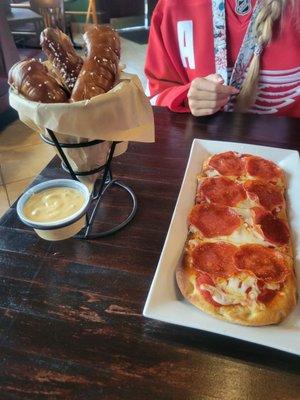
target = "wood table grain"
x: 71, y: 312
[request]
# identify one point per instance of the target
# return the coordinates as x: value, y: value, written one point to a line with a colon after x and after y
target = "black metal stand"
x: 106, y: 182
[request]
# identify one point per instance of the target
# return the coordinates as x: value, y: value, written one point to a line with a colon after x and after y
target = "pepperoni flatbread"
x: 238, y: 262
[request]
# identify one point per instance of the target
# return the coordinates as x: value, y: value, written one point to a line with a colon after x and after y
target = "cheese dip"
x: 53, y: 204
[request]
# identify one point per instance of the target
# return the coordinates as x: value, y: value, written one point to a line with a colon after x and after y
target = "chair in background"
x: 24, y: 23
x: 20, y: 3
x: 92, y: 10
x: 53, y: 13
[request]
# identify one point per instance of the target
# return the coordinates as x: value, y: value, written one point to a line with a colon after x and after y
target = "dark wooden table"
x: 71, y: 312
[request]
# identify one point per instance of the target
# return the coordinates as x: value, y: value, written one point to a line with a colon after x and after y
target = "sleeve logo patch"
x: 243, y: 7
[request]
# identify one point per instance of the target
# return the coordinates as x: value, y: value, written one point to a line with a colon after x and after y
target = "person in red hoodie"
x: 207, y: 55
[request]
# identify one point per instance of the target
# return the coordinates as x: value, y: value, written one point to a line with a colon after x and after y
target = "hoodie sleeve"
x: 165, y: 86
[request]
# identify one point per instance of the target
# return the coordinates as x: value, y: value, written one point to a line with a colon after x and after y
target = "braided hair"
x: 270, y: 13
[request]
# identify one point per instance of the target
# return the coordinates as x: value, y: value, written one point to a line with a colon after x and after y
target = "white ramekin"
x: 61, y: 229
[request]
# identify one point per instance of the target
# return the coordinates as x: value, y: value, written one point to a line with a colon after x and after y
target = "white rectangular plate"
x: 164, y: 301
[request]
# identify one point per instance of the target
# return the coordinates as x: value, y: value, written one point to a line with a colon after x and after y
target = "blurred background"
x: 22, y: 154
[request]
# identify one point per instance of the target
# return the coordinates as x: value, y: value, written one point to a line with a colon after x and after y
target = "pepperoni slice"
x: 269, y: 195
x: 265, y: 295
x: 265, y: 263
x: 259, y: 213
x: 229, y: 163
x: 221, y: 190
x: 215, y: 259
x: 273, y: 228
x: 263, y: 169
x: 214, y: 220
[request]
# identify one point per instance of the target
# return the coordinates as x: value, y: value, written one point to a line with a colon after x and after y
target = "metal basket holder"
x: 105, y: 182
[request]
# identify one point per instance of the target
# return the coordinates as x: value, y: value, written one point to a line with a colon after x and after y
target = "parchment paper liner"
x: 122, y: 114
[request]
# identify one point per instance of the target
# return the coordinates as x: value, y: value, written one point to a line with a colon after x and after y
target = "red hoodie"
x: 181, y: 48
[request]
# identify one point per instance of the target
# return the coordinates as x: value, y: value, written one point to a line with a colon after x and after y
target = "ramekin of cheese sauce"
x: 56, y: 209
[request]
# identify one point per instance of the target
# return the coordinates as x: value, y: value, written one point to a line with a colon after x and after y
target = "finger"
x: 215, y: 78
x: 205, y: 104
x: 212, y: 104
x: 201, y: 95
x: 207, y: 85
x: 226, y: 89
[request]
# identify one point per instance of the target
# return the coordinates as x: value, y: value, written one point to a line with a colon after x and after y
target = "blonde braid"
x: 270, y: 13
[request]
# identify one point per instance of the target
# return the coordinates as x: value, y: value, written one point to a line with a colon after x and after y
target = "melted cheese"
x: 238, y: 289
x: 272, y: 286
x: 245, y: 204
x: 243, y: 234
x: 53, y: 204
x: 212, y: 173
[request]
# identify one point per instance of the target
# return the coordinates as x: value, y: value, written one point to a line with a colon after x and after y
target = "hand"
x: 208, y: 95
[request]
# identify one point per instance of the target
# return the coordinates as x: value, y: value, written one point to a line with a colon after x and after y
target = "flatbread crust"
x: 271, y: 313
x: 254, y: 313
